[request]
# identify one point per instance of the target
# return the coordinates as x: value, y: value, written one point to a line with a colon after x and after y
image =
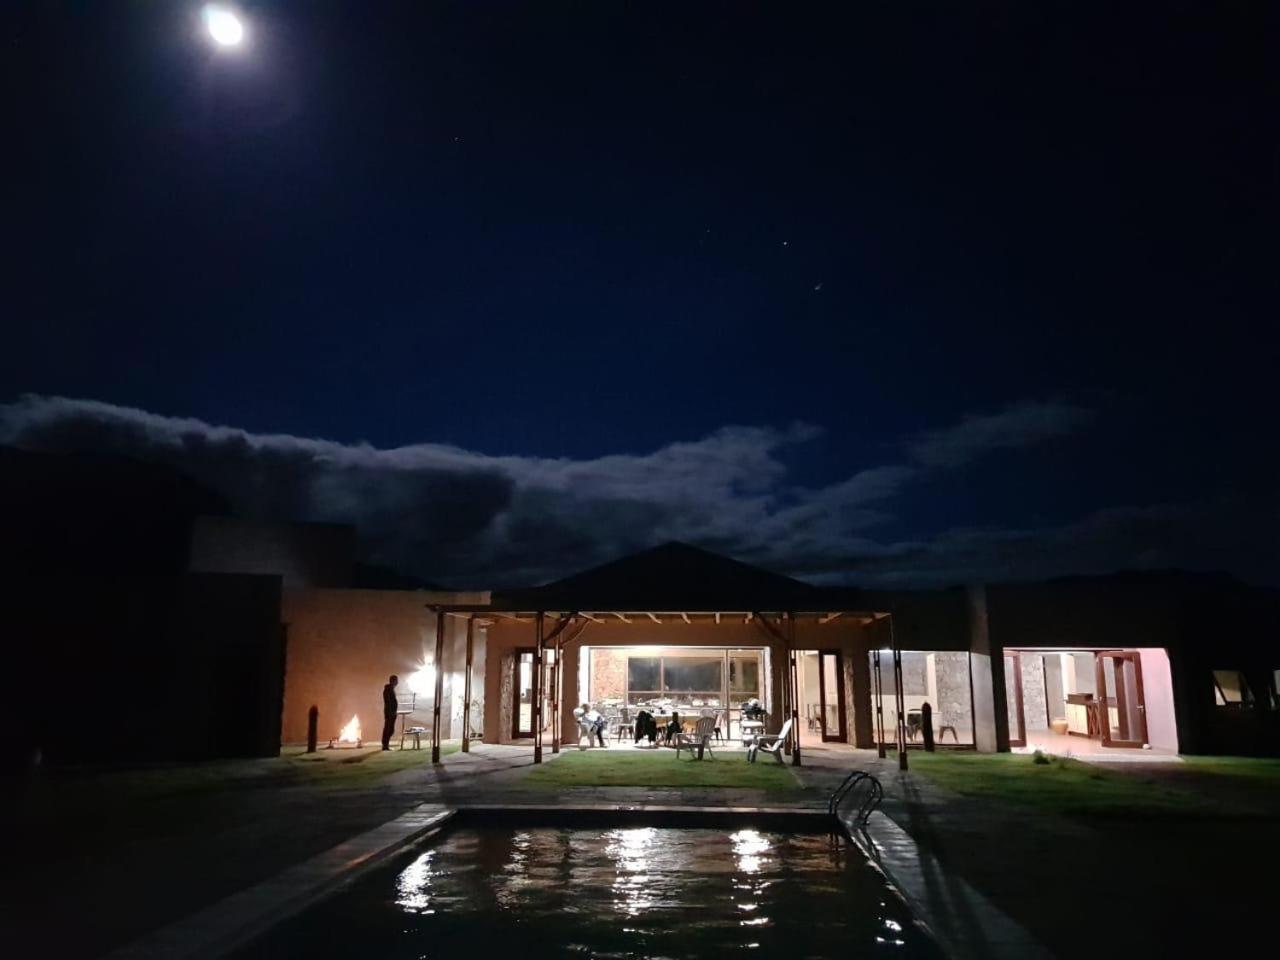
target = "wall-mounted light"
x: 423, y: 680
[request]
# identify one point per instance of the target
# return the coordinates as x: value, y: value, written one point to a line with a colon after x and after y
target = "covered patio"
x: 679, y: 631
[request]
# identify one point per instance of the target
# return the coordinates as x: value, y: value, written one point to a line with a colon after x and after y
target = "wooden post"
x: 435, y: 710
x: 879, y: 692
x: 899, y: 698
x: 555, y: 696
x: 466, y: 688
x: 784, y: 694
x: 537, y: 689
x: 794, y: 680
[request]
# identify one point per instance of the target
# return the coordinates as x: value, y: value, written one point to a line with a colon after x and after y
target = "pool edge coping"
x: 241, y: 917
x: 968, y: 926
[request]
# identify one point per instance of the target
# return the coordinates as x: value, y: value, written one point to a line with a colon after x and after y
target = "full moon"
x: 223, y: 25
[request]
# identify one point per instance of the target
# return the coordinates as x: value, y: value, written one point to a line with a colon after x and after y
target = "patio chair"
x: 699, y: 740
x: 770, y: 743
x: 626, y: 726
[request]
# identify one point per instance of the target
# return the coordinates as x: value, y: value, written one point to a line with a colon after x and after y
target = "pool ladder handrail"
x: 875, y: 793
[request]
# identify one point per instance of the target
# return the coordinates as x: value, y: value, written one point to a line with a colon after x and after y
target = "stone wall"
x: 953, y: 707
x: 608, y: 674
x: 506, y: 679
x: 1034, y: 707
x: 915, y: 673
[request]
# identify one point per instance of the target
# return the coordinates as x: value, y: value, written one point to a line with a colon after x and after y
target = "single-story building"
x: 1136, y: 662
x: 200, y: 634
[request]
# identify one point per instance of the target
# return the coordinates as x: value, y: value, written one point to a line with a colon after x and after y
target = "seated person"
x: 673, y: 728
x: 646, y: 726
x: 589, y: 717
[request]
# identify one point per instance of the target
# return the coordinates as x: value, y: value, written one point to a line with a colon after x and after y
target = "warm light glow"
x: 223, y: 25
x: 423, y: 681
x: 351, y: 732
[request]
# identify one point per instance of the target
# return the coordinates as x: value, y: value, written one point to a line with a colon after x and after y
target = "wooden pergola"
x: 556, y: 629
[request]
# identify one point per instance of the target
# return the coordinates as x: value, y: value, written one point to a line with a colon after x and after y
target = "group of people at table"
x: 652, y: 725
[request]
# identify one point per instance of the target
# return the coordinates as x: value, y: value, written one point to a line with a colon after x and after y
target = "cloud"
x: 464, y: 518
x: 442, y: 512
x: 1020, y: 425
x: 1235, y: 534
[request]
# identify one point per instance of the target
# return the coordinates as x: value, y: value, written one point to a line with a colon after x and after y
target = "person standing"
x: 390, y: 707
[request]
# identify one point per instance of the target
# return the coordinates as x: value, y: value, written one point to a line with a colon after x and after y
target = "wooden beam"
x: 564, y: 622
x: 773, y: 631
x: 593, y: 618
x: 621, y: 617
x: 571, y: 636
x: 829, y: 617
x: 653, y: 617
x: 685, y: 618
x: 512, y: 616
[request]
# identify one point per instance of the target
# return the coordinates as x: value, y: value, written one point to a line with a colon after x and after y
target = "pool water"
x: 652, y: 892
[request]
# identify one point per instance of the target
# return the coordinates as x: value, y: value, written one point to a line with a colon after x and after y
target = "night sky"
x: 883, y: 294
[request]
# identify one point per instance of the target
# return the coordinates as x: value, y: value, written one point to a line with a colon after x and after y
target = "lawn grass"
x: 1064, y: 787
x: 659, y: 768
x: 1263, y: 770
x: 157, y: 783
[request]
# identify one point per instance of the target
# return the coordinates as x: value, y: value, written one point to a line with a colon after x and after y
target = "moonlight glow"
x: 223, y: 25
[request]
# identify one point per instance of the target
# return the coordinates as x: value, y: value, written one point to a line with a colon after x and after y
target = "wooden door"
x: 1122, y: 712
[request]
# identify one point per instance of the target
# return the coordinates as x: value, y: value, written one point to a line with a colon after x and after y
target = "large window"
x: 698, y: 681
x: 1231, y: 689
x: 744, y: 677
x: 674, y: 676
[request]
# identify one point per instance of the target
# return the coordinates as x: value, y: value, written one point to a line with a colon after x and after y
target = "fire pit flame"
x: 351, y: 732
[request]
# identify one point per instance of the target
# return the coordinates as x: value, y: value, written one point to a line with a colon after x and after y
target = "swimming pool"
x: 616, y: 892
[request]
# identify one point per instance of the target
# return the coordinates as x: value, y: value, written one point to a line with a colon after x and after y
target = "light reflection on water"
x: 619, y: 894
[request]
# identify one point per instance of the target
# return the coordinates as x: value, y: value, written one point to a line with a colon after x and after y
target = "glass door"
x: 1013, y: 698
x: 831, y: 696
x: 522, y: 693
x: 1122, y: 714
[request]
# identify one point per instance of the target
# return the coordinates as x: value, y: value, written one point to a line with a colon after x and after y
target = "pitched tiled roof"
x: 673, y: 577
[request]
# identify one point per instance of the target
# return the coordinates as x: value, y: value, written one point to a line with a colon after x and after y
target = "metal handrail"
x: 875, y: 793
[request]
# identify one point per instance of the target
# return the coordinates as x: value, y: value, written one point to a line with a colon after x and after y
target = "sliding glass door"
x: 522, y: 693
x: 831, y: 696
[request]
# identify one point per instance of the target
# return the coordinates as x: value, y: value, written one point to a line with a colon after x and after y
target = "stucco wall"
x: 342, y: 646
x: 1157, y: 691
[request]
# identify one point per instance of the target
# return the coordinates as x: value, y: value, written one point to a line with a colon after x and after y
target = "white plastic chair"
x: 770, y: 743
x: 699, y: 740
